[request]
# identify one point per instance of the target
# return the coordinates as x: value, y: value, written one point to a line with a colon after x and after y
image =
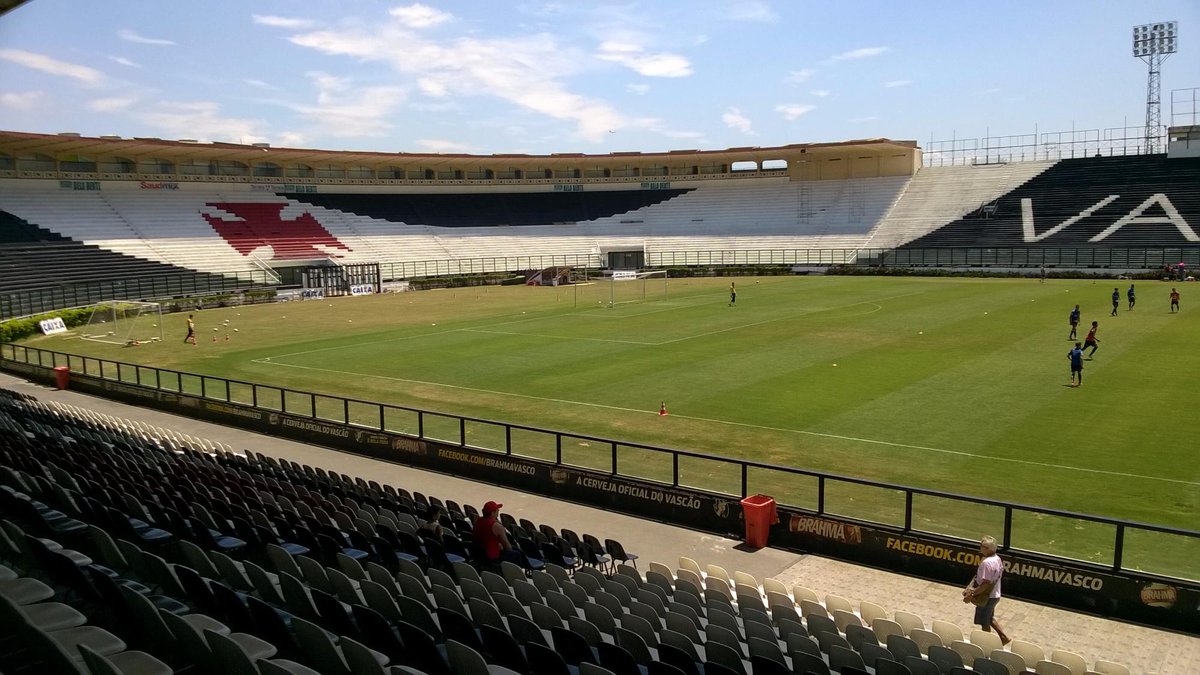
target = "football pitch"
x: 958, y: 385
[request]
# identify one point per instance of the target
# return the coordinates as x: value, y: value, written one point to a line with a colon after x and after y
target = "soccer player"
x: 191, y: 336
x: 1116, y: 300
x: 1129, y: 294
x: 1074, y: 320
x: 1091, y: 340
x: 732, y: 294
x: 1174, y: 301
x: 1076, y: 358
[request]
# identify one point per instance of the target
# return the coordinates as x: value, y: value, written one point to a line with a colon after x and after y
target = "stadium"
x: 750, y: 410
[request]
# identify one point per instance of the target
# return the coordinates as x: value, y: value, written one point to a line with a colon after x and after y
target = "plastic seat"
x: 986, y: 639
x: 842, y: 657
x: 968, y: 651
x: 1074, y: 661
x: 919, y: 666
x: 1045, y: 667
x: 986, y: 666
x: 945, y: 658
x: 125, y: 663
x: 1011, y: 660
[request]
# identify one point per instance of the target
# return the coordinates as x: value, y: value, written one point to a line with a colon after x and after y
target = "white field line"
x: 487, y: 329
x: 869, y: 441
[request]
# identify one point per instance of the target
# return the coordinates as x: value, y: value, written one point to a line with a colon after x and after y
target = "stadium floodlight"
x: 1153, y: 43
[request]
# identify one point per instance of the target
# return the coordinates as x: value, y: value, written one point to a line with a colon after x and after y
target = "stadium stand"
x: 1082, y: 202
x: 220, y: 232
x: 221, y: 562
x: 939, y: 195
x: 32, y: 257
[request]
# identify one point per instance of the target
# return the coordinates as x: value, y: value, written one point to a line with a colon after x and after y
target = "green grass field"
x: 951, y: 384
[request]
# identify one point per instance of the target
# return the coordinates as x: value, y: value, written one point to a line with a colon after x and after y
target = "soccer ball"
x: 235, y: 330
x: 215, y: 330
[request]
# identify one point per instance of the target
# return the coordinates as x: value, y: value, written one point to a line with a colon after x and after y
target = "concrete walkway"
x: 1145, y: 650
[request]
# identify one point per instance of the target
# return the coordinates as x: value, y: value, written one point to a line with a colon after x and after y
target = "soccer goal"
x: 124, y: 322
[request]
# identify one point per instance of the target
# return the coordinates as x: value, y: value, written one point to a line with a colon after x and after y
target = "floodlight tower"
x: 1153, y: 43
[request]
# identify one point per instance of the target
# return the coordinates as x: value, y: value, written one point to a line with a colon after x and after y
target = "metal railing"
x: 55, y: 297
x: 51, y: 298
x: 1122, y: 545
x: 1045, y: 145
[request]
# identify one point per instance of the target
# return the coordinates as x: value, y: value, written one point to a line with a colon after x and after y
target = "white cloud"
x: 346, y: 110
x: 891, y: 84
x: 440, y: 145
x: 259, y: 84
x: 637, y: 89
x: 281, y: 21
x: 201, y: 120
x: 526, y: 71
x: 420, y: 16
x: 863, y: 119
x: 132, y: 36
x: 111, y: 104
x: 23, y: 100
x: 125, y: 62
x: 289, y: 139
x: 988, y: 92
x: 752, y: 11
x: 791, y: 111
x: 52, y: 66
x: 855, y: 54
x: 800, y: 76
x: 734, y: 119
x: 820, y: 93
x: 632, y: 56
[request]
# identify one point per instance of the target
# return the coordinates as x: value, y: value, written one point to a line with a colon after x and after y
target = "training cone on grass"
x: 662, y: 409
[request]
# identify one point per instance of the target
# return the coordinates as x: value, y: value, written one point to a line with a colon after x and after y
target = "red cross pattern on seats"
x: 261, y: 224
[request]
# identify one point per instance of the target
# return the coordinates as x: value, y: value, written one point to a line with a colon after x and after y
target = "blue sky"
x: 572, y: 76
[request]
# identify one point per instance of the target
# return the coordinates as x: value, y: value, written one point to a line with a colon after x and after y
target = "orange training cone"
x: 662, y: 409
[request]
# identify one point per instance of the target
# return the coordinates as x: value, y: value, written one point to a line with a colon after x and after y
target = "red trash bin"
x: 62, y: 376
x: 760, y: 515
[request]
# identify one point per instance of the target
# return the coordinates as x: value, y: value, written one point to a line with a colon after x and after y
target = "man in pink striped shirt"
x: 984, y: 589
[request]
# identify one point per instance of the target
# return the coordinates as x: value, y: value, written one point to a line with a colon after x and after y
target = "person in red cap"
x: 491, y: 535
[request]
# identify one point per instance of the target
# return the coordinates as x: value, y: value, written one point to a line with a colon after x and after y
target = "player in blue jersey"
x: 1116, y: 300
x: 1131, y: 297
x: 1075, y: 356
x: 1074, y: 321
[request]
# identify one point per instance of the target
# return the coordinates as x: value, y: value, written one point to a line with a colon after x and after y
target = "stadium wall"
x: 1162, y: 602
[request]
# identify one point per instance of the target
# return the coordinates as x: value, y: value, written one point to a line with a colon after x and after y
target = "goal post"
x: 124, y: 322
x: 626, y: 287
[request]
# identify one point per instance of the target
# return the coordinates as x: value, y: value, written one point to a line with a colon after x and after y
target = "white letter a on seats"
x: 1135, y: 217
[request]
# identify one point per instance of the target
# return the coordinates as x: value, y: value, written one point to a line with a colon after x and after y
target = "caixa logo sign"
x: 312, y: 294
x: 362, y: 289
x: 52, y: 325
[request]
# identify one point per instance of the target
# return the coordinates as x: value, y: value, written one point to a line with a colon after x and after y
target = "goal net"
x: 621, y: 287
x: 124, y: 322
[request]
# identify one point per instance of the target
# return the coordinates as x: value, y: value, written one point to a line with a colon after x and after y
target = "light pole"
x: 1153, y: 43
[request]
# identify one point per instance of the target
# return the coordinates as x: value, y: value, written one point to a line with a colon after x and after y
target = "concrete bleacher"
x: 939, y: 195
x: 1087, y: 198
x: 32, y: 258
x: 722, y: 605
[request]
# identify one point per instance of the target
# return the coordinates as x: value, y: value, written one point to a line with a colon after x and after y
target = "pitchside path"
x: 1145, y: 650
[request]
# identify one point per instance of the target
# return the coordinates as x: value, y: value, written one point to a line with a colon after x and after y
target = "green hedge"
x: 19, y: 329
x: 461, y: 280
x: 730, y: 271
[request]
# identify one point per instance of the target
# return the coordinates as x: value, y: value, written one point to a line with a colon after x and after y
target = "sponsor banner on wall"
x: 158, y: 185
x: 1129, y: 596
x: 1027, y: 575
x: 52, y: 325
x: 362, y: 289
x: 312, y: 294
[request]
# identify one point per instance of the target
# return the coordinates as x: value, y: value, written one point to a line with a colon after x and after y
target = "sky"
x: 580, y: 76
